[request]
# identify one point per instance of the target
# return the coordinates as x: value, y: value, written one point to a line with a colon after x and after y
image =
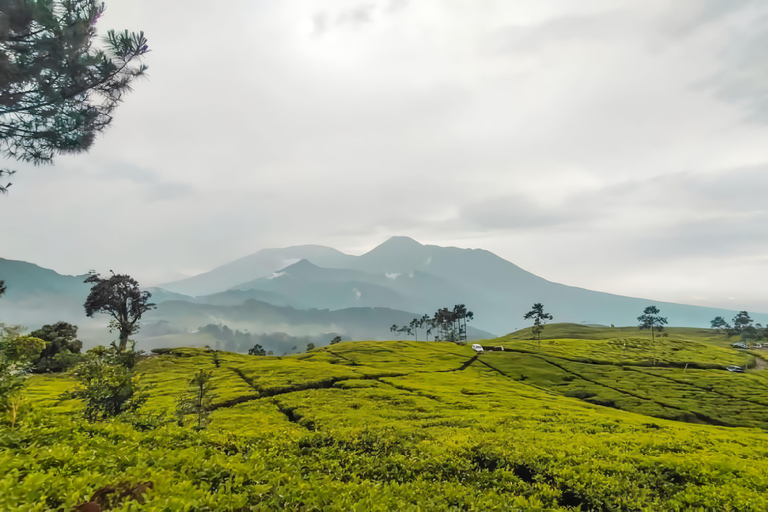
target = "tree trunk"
x: 123, y: 341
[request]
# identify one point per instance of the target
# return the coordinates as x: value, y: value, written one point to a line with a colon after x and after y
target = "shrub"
x: 199, y: 399
x: 107, y: 386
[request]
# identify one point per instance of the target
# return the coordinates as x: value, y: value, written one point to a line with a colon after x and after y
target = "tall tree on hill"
x: 414, y: 328
x: 120, y: 297
x: 719, y: 324
x: 462, y: 316
x: 651, y: 319
x: 539, y: 320
x: 742, y: 324
x: 425, y: 322
x: 57, y: 90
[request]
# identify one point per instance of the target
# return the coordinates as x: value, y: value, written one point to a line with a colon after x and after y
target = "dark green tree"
x: 742, y: 323
x: 2, y: 288
x: 335, y: 340
x: 539, y: 320
x: 199, y: 399
x: 58, y: 89
x: 62, y: 348
x: 310, y: 346
x: 120, y: 297
x: 650, y: 319
x: 719, y: 324
x: 257, y: 350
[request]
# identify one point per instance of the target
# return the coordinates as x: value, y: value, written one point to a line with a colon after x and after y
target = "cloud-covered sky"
x: 617, y: 146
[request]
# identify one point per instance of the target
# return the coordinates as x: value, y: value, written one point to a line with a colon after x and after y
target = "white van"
x: 477, y: 348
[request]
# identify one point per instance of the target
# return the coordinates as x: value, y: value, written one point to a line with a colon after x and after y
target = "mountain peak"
x: 302, y: 264
x: 399, y: 243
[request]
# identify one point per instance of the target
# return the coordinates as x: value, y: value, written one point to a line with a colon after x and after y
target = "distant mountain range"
x: 309, y: 291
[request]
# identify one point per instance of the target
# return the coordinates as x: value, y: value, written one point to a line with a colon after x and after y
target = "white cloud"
x: 392, y: 275
x: 551, y: 132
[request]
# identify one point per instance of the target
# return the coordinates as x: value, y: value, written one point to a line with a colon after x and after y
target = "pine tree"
x: 57, y: 89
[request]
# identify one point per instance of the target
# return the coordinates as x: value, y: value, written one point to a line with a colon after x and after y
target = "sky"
x: 615, y: 146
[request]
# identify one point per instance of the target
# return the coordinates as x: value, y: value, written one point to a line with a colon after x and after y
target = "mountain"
x: 403, y: 274
x: 260, y: 264
x: 36, y: 296
x: 283, y: 291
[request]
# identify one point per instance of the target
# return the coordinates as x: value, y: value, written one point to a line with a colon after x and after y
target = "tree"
x: 539, y: 320
x: 650, y: 319
x: 107, y: 386
x: 120, y: 297
x: 413, y: 328
x: 62, y: 348
x: 199, y: 400
x: 719, y: 324
x: 257, y: 350
x: 742, y: 322
x: 2, y: 288
x: 335, y: 340
x: 57, y: 89
x: 310, y: 346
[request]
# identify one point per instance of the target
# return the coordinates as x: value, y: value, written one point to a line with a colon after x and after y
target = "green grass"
x: 581, y: 422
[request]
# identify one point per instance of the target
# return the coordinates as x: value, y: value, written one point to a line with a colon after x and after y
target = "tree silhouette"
x: 57, y: 90
x: 120, y: 297
x: 650, y: 319
x: 719, y: 324
x: 539, y: 320
x: 257, y: 350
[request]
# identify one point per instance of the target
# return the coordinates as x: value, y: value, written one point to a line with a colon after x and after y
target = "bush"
x: 107, y: 386
x: 62, y: 348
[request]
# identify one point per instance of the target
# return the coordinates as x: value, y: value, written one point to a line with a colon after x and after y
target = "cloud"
x: 582, y: 140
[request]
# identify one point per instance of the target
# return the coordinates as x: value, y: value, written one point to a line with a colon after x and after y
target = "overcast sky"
x: 617, y: 146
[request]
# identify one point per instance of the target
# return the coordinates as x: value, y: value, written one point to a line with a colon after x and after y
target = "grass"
x: 583, y: 422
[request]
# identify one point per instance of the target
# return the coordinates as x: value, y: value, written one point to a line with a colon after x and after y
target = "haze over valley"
x: 286, y: 298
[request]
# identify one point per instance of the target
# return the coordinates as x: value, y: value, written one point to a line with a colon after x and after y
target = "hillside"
x: 403, y: 274
x: 399, y: 275
x: 406, y: 425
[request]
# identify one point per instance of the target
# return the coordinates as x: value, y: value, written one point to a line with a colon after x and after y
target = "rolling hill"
x: 312, y: 290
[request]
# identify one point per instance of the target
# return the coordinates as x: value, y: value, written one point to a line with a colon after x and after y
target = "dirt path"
x: 760, y: 364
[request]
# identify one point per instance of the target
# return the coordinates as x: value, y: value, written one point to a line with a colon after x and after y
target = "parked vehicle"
x: 477, y: 348
x: 734, y: 368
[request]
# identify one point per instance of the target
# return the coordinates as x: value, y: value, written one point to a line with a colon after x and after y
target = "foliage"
x: 310, y: 346
x: 18, y: 348
x: 2, y: 288
x: 335, y: 340
x: 199, y: 399
x: 719, y: 324
x: 539, y: 320
x: 57, y: 90
x: 16, y: 352
x: 257, y: 350
x: 107, y: 386
x: 650, y: 319
x: 120, y: 297
x: 385, y: 426
x: 62, y: 348
x: 449, y: 324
